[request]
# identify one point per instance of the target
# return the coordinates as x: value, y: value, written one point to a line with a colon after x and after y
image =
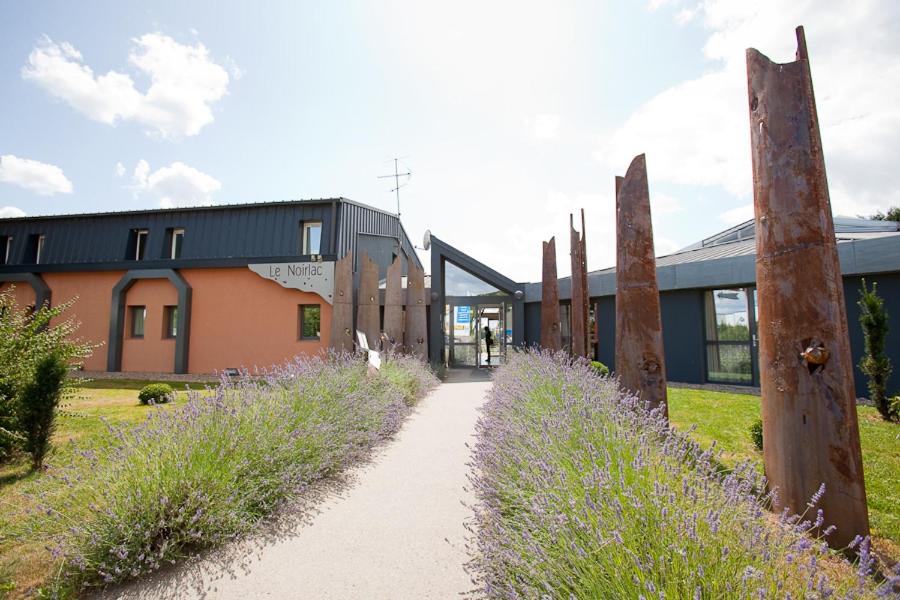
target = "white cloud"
x: 697, y: 132
x: 9, y: 212
x: 184, y: 84
x: 41, y: 178
x: 175, y: 185
x: 663, y: 204
x: 737, y: 215
x: 120, y: 169
x: 546, y: 127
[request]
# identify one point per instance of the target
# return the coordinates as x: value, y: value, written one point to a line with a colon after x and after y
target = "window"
x: 170, y: 323
x: 310, y: 316
x: 312, y: 238
x: 174, y: 242
x: 39, y: 248
x: 5, y: 249
x: 140, y: 243
x: 728, y: 336
x: 138, y: 316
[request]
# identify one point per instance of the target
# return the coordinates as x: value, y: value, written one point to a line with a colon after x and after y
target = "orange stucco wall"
x: 154, y: 353
x: 92, y: 292
x: 240, y: 319
x: 22, y: 293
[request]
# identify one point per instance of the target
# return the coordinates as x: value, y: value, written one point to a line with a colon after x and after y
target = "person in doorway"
x: 488, y: 342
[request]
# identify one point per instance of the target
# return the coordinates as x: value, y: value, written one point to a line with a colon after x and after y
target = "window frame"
x: 305, y: 226
x: 301, y: 318
x: 140, y: 249
x: 133, y: 312
x: 170, y: 322
x: 710, y: 342
x: 7, y: 249
x: 41, y: 239
x: 174, y: 234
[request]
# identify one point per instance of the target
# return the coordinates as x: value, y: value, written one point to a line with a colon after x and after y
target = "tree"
x: 874, y: 363
x: 26, y: 337
x: 38, y: 403
x: 892, y: 214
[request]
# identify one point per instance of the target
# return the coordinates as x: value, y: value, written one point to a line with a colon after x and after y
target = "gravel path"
x: 395, y: 531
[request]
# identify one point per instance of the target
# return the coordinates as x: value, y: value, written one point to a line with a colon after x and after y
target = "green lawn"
x: 81, y: 417
x: 726, y: 418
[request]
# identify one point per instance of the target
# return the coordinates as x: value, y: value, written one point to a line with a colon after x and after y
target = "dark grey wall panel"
x: 532, y: 323
x: 682, y: 322
x: 606, y: 331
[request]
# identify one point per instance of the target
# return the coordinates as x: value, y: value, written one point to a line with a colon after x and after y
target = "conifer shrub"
x: 875, y: 363
x: 39, y: 402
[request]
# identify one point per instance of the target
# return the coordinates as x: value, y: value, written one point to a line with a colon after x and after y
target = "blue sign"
x: 462, y: 314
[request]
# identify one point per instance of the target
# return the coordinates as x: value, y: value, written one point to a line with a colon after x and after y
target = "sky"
x: 510, y: 115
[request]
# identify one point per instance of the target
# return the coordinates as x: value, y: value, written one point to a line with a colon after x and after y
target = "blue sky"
x: 510, y: 115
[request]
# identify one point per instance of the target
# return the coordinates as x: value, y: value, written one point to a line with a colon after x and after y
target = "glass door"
x: 731, y: 352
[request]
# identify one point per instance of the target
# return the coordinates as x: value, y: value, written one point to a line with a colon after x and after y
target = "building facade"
x: 197, y: 290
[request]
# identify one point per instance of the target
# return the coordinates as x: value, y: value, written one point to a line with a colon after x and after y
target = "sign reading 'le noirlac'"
x: 315, y: 277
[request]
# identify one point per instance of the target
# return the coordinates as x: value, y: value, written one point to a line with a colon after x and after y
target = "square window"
x: 138, y: 317
x: 312, y: 238
x: 310, y: 317
x: 170, y: 322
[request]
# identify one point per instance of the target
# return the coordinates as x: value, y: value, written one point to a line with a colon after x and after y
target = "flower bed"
x: 584, y: 494
x: 209, y: 471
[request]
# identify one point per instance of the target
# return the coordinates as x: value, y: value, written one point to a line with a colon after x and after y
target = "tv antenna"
x: 397, y: 185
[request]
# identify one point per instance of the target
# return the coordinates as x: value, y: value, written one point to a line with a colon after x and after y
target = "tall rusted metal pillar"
x: 416, y: 330
x: 580, y: 311
x: 640, y: 361
x: 368, y: 309
x: 393, y: 305
x: 550, y: 332
x: 810, y: 429
x: 342, y: 336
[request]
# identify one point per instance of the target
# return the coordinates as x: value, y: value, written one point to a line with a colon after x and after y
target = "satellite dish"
x: 426, y: 241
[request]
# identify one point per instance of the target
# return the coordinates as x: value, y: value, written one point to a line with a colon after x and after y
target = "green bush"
x: 756, y: 434
x: 37, y: 413
x: 156, y: 393
x: 601, y: 369
x: 875, y: 363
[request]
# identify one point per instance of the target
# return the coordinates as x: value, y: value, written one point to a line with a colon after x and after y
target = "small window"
x: 140, y: 243
x: 175, y: 241
x: 5, y: 249
x: 312, y: 238
x: 171, y: 322
x: 138, y: 316
x: 40, y: 248
x: 34, y: 248
x: 310, y: 321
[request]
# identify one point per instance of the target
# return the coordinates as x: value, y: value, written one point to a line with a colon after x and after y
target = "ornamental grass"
x: 210, y: 471
x: 583, y: 493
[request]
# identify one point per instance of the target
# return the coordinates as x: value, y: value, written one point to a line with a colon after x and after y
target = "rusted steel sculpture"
x: 640, y: 362
x: 416, y: 330
x: 810, y: 429
x: 393, y: 305
x: 581, y: 345
x: 550, y: 333
x: 342, y: 335
x: 368, y: 311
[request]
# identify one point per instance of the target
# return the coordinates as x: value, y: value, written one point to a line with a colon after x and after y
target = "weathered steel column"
x: 393, y: 305
x: 342, y: 335
x: 416, y: 331
x: 550, y: 332
x: 580, y: 311
x: 368, y: 311
x: 810, y: 429
x: 640, y: 362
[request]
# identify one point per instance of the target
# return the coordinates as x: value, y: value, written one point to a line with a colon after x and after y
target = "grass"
x: 726, y: 418
x: 122, y: 499
x: 583, y: 494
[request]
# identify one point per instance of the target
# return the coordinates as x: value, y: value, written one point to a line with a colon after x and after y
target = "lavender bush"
x: 584, y: 494
x: 210, y: 471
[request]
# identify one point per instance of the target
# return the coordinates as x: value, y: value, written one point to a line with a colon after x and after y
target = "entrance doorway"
x: 466, y: 321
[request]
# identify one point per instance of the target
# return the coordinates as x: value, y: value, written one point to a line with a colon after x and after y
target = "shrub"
x: 156, y: 393
x: 875, y: 363
x: 600, y: 368
x: 203, y: 473
x: 581, y: 493
x: 756, y: 430
x: 40, y: 399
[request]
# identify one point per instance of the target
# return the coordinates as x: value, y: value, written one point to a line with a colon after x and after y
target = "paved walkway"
x: 395, y: 532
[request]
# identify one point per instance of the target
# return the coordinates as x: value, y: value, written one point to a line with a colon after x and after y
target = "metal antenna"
x: 397, y: 175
